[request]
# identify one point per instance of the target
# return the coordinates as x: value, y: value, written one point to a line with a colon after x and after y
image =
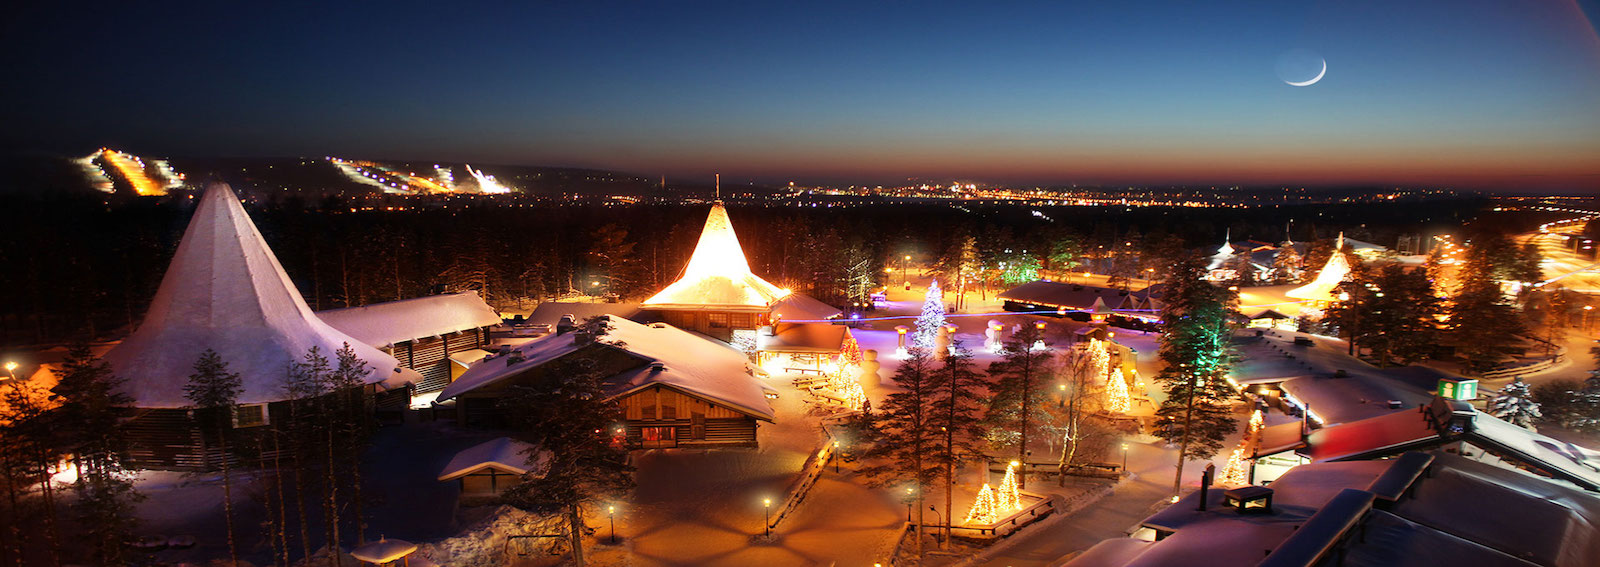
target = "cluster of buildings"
x: 671, y: 366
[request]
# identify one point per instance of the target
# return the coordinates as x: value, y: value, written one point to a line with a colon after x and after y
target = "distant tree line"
x: 80, y: 267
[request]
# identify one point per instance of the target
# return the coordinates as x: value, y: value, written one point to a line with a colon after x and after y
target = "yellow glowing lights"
x: 132, y: 169
x: 992, y: 504
x: 1117, y: 400
x: 718, y: 273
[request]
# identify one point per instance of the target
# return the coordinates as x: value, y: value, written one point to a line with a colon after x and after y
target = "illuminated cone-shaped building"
x: 718, y: 294
x: 1324, y: 289
x: 224, y: 291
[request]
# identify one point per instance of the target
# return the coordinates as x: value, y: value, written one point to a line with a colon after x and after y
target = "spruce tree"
x: 1515, y: 404
x: 957, y: 389
x: 88, y: 425
x: 214, y: 390
x: 906, y: 437
x: 931, y: 321
x: 565, y: 413
x: 1018, y: 405
x: 1198, y: 412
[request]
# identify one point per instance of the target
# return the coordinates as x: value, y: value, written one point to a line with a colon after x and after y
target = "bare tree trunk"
x: 283, y: 517
x: 227, y: 492
x: 330, y: 505
x: 51, y: 536
x: 575, y: 531
x: 14, y: 544
x: 1183, y: 448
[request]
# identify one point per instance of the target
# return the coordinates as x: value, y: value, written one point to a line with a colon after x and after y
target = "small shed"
x: 488, y: 469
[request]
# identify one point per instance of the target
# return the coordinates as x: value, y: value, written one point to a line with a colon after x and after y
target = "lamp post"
x: 1355, y: 313
x: 1124, y: 458
x: 903, y: 261
x: 11, y: 369
x: 909, y: 502
x: 612, y: 512
x: 937, y: 518
x: 766, y: 504
x: 1063, y: 388
x: 1586, y: 310
x: 835, y: 457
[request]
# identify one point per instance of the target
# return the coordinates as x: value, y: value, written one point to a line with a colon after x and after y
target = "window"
x: 669, y: 411
x: 717, y: 320
x: 648, y: 411
x: 253, y: 415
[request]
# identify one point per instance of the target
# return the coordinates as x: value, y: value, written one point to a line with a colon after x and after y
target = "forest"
x: 83, y: 267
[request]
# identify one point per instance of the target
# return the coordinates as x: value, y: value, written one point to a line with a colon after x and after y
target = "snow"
x: 689, y: 362
x: 224, y: 290
x: 503, y: 454
x: 801, y: 307
x: 1333, y: 273
x: 394, y: 322
x: 717, y: 274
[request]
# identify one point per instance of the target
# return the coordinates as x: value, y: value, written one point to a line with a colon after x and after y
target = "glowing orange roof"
x: 1333, y: 273
x: 718, y: 274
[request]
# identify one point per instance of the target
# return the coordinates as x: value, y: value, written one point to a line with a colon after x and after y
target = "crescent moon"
x: 1313, y: 80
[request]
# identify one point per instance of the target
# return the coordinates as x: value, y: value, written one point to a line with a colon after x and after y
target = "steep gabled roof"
x: 718, y: 274
x: 1333, y: 273
x: 393, y: 322
x: 225, y: 291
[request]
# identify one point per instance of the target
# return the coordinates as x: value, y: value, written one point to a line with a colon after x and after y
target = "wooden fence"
x: 802, y: 488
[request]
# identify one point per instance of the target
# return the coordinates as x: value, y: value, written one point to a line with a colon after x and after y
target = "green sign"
x: 1466, y: 389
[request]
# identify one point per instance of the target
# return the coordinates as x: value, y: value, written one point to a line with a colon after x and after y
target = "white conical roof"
x: 224, y: 290
x: 718, y: 274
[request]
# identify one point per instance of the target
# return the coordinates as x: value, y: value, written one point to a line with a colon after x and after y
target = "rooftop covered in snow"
x: 718, y: 275
x: 394, y: 322
x: 502, y: 454
x: 226, y: 291
x: 1423, y: 509
x: 689, y: 363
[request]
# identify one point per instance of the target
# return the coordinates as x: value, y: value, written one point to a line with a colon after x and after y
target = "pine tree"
x: 1197, y: 414
x: 1286, y: 264
x: 1018, y: 404
x: 957, y: 389
x: 1515, y: 404
x: 89, y: 427
x: 931, y: 322
x: 214, y: 390
x: 566, y: 413
x: 906, y: 435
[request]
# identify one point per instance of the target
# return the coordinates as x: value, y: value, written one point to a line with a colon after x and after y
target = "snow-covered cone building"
x: 225, y: 291
x: 718, y: 294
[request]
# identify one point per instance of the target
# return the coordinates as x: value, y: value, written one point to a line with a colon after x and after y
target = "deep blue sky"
x: 1460, y: 92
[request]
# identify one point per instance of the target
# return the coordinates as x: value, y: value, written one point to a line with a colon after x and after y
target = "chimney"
x: 1205, y: 484
x: 513, y: 357
x: 657, y: 367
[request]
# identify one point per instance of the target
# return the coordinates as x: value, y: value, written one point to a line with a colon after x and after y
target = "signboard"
x: 1464, y: 389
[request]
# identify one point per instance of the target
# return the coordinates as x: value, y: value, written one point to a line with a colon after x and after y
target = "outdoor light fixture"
x: 766, y: 503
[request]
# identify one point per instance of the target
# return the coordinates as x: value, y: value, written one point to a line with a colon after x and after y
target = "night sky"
x: 1465, y: 93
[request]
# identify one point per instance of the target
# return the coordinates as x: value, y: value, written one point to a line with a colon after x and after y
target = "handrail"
x: 803, y: 487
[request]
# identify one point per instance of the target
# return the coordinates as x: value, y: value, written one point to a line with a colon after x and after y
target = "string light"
x: 983, y: 508
x: 1117, y: 400
x: 1009, y: 498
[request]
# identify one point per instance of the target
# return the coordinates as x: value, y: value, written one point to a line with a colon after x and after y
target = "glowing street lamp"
x: 612, y: 512
x: 903, y: 279
x: 835, y: 457
x: 1124, y: 458
x: 766, y: 503
x: 11, y: 369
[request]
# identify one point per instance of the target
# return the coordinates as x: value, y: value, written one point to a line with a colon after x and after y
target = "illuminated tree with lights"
x: 931, y: 320
x: 1008, y: 498
x: 1198, y: 412
x: 985, y: 508
x: 1117, y: 400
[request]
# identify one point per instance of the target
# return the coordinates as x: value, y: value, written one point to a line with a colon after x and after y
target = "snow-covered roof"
x: 803, y: 337
x: 689, y: 362
x: 1076, y: 296
x: 802, y: 307
x: 718, y: 274
x: 503, y: 454
x: 392, y: 322
x: 225, y: 291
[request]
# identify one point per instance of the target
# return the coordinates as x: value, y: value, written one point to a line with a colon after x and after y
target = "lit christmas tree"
x: 984, y: 510
x: 1099, y: 358
x: 1008, y: 499
x: 1237, y: 471
x: 932, y: 318
x: 850, y: 354
x: 1117, y: 400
